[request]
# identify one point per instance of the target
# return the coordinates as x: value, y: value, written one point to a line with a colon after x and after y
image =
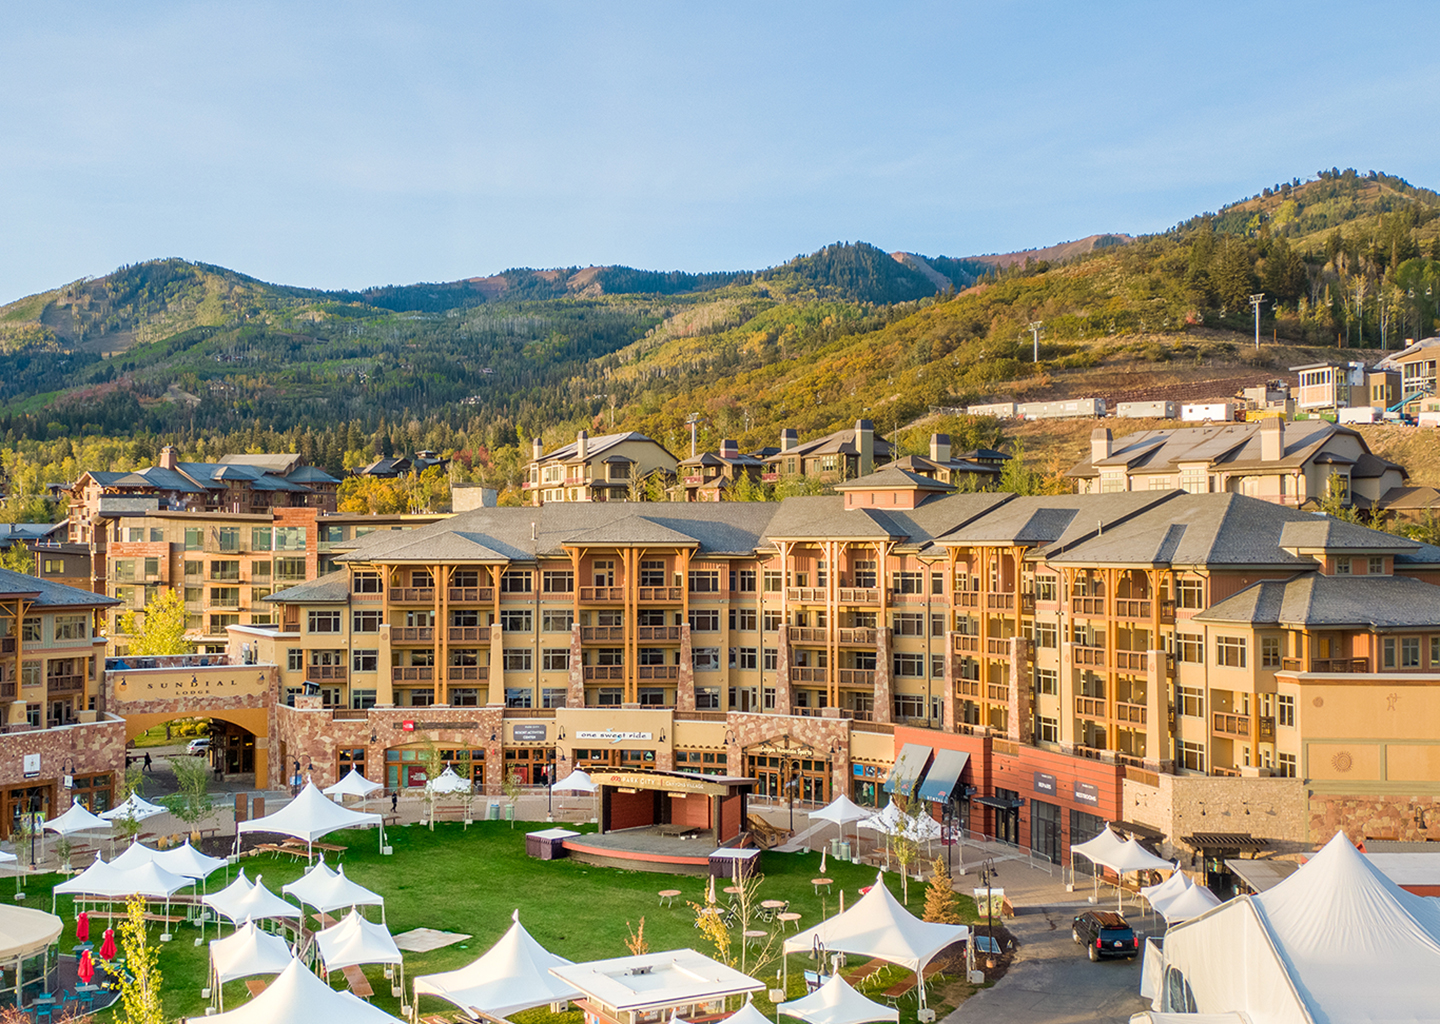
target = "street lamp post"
x: 987, y: 875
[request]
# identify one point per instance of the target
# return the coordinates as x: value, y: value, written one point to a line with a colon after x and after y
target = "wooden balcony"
x: 603, y: 673
x: 609, y: 633
x: 859, y: 595
x: 1346, y: 665
x: 1224, y: 772
x: 1093, y: 656
x: 961, y: 643
x: 412, y: 674
x: 808, y: 635
x: 652, y: 633
x: 64, y: 684
x: 967, y: 688
x: 1090, y: 707
x: 966, y: 599
x: 668, y: 595
x: 471, y: 634
x: 999, y: 693
x: 468, y: 673
x: 999, y: 602
x: 7, y: 645
x: 412, y: 595
x: 806, y: 674
x: 1133, y: 608
x: 602, y: 595
x: 1133, y: 661
x: 1132, y: 713
x: 807, y: 595
x: 657, y: 672
x: 471, y: 595
x: 864, y: 677
x: 1167, y: 611
x: 1266, y: 729
x: 318, y: 672
x: 412, y: 634
x: 7, y: 690
x: 1087, y: 606
x: 997, y: 645
x: 859, y: 636
x: 1231, y: 725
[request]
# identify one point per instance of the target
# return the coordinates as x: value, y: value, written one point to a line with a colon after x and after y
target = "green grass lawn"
x: 470, y: 881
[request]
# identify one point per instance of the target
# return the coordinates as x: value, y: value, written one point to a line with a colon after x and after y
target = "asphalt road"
x: 1052, y: 981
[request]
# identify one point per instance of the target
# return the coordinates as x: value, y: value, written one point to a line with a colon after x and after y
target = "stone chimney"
x: 169, y: 457
x: 940, y: 448
x: 865, y: 443
x: 1101, y: 444
x: 789, y: 438
x: 1272, y: 439
x: 582, y: 446
x: 729, y: 448
x: 537, y: 450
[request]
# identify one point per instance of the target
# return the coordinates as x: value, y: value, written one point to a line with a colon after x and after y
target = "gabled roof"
x: 634, y: 529
x: 1329, y: 602
x: 47, y: 593
x: 1046, y: 521
x: 1396, y: 359
x: 1409, y: 498
x: 332, y: 588
x: 841, y: 442
x: 1321, y: 533
x: 892, y: 478
x: 1232, y: 445
x: 920, y: 464
x: 596, y: 445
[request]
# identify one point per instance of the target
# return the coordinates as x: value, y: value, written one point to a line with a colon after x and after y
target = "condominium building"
x: 1287, y: 463
x: 707, y: 476
x: 843, y: 455
x: 611, y: 467
x: 1416, y: 364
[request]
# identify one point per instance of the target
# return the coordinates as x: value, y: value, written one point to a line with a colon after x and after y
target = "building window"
x: 937, y: 666
x: 1047, y: 729
x: 744, y: 619
x: 289, y: 538
x: 770, y: 659
x: 1192, y: 756
x: 1285, y: 709
x: 1190, y: 593
x: 194, y: 538
x: 295, y: 659
x: 651, y: 697
x: 704, y: 582
x: 652, y: 573
x: 515, y: 583
x: 706, y: 659
x: 225, y: 597
x: 368, y: 583
x: 516, y: 620
x: 557, y: 582
x: 365, y: 622
x: 608, y: 696
x: 1047, y: 681
x: 908, y: 582
x: 1375, y: 566
x: 290, y: 570
x: 909, y: 664
x: 365, y: 660
x: 1190, y: 701
x: 1342, y: 567
x: 555, y: 659
x: 519, y: 659
x: 553, y: 697
x: 1230, y: 651
x: 220, y: 623
x: 1189, y: 647
x: 1269, y: 652
x: 704, y: 620
x: 707, y: 698
x: 1410, y: 652
x: 557, y: 621
x: 516, y: 697
x: 324, y: 622
x: 1047, y: 588
x: 745, y: 657
x: 747, y: 581
x: 909, y: 624
x: 1285, y: 766
x: 76, y: 627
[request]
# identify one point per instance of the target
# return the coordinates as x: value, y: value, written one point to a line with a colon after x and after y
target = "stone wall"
x: 1404, y: 818
x: 1182, y: 805
x: 90, y: 748
x: 821, y: 734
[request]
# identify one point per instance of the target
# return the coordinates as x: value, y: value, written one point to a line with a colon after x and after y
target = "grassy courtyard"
x: 469, y: 881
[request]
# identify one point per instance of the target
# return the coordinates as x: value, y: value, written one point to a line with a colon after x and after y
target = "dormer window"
x: 1376, y: 566
x: 1342, y: 567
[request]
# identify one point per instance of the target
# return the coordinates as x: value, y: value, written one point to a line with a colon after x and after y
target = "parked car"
x: 1105, y: 934
x: 198, y: 746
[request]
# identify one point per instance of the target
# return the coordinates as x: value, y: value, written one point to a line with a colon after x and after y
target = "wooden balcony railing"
x: 602, y: 633
x: 1265, y: 729
x: 412, y: 634
x: 1348, y: 665
x: 997, y: 645
x: 967, y: 688
x: 1132, y: 608
x: 1229, y: 773
x: 1167, y: 611
x: 966, y: 599
x: 1231, y: 725
x: 468, y: 673
x: 857, y: 715
x: 64, y: 684
x: 412, y: 674
x: 1094, y: 656
x: 472, y: 595
x: 857, y: 677
x: 807, y: 595
x: 667, y: 594
x: 1133, y: 713
x: 808, y: 635
x: 473, y: 634
x: 604, y: 594
x: 999, y: 693
x: 807, y: 674
x: 1087, y: 605
x: 998, y: 601
x: 412, y: 595
x: 1090, y: 707
x: 338, y: 672
x: 962, y: 643
x: 660, y: 672
x: 604, y: 672
x: 1134, y: 661
x: 652, y: 633
x: 859, y: 595
x: 858, y: 635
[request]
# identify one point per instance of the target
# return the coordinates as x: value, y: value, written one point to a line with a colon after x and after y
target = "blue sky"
x: 354, y: 144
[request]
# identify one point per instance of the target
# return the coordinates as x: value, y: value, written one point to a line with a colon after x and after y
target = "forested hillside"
x: 217, y: 361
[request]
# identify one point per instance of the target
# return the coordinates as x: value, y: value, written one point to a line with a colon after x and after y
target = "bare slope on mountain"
x: 1061, y: 251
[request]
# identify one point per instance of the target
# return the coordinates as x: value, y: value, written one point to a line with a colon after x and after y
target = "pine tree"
x: 940, y: 905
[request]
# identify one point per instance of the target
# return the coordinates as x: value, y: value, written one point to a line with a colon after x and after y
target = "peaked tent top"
x: 310, y: 816
x: 835, y: 1002
x: 298, y: 997
x: 331, y: 890
x: 353, y: 784
x: 256, y: 904
x: 133, y: 806
x: 877, y: 925
x: 578, y: 781
x: 224, y: 901
x: 448, y: 782
x: 355, y: 941
x: 842, y: 810
x: 1194, y: 901
x: 248, y: 951
x: 77, y: 819
x: 513, y: 975
x: 188, y: 861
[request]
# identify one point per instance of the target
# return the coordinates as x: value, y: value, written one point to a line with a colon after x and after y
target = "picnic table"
x: 355, y: 978
x: 256, y: 986
x: 898, y: 989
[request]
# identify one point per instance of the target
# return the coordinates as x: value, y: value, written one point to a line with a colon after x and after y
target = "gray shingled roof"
x: 1379, y: 602
x: 595, y: 445
x: 49, y: 594
x: 1043, y: 521
x: 1231, y: 444
x: 332, y: 588
x: 892, y: 478
x: 1320, y: 532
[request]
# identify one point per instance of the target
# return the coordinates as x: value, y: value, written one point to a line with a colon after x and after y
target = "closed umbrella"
x: 86, y: 970
x: 82, y: 926
x: 107, y: 948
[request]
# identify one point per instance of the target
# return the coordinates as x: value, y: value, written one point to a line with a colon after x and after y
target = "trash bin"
x: 842, y: 849
x: 509, y: 812
x: 494, y: 814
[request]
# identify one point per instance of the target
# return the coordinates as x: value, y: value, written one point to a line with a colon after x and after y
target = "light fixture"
x: 493, y: 736
x: 373, y: 737
x: 729, y: 737
x: 662, y: 735
x: 561, y: 734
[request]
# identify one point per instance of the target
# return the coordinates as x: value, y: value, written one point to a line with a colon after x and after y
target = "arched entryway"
x: 785, y: 768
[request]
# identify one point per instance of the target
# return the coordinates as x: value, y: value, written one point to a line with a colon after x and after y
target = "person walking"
x: 145, y: 765
x: 395, y: 802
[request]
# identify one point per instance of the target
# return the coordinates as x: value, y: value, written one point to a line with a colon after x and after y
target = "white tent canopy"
x: 892, y: 822
x: 99, y: 879
x: 150, y: 879
x: 878, y: 926
x: 1109, y: 851
x: 1133, y: 857
x: 188, y: 861
x: 747, y: 1014
x: 1100, y: 848
x: 1193, y: 902
x: 577, y: 781
x: 77, y: 819
x: 330, y: 890
x: 835, y: 1002
x: 257, y: 904
x: 353, y: 784
x: 355, y: 941
x: 513, y: 975
x: 1335, y: 941
x: 310, y: 816
x: 841, y: 811
x: 248, y: 952
x: 298, y: 997
x: 1159, y: 895
x: 133, y: 856
x: 448, y: 782
x: 225, y: 901
x: 24, y: 930
x: 135, y: 807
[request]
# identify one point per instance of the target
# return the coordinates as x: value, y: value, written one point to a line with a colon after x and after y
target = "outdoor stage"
x: 644, y: 849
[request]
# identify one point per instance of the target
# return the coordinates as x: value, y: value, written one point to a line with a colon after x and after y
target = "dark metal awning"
x: 909, y: 767
x: 1135, y: 828
x: 1225, y: 841
x: 1006, y: 803
x: 944, y: 775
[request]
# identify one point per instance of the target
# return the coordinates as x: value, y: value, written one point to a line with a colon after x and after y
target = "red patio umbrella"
x: 82, y: 926
x: 107, y: 948
x: 86, y: 969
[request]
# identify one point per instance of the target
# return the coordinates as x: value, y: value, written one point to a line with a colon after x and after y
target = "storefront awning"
x: 1225, y: 841
x: 1006, y: 803
x: 944, y: 775
x: 909, y: 767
